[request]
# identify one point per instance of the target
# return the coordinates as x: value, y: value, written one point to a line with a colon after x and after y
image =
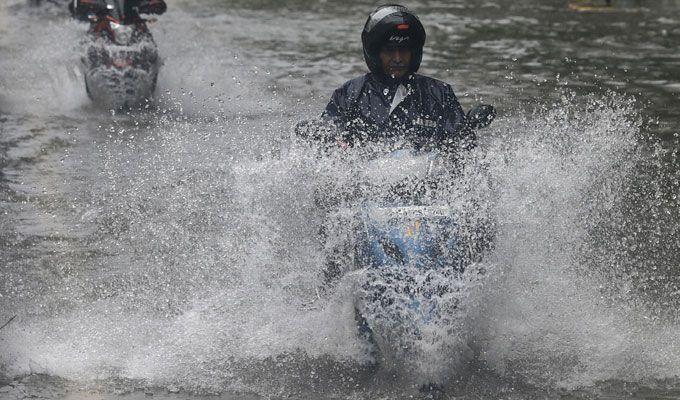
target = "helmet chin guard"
x: 392, y: 24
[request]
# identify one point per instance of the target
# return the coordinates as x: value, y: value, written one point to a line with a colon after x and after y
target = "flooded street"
x: 173, y: 250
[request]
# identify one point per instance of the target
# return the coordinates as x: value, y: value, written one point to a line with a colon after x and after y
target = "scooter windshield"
x: 397, y: 166
x: 116, y: 9
x: 401, y: 176
x: 121, y: 10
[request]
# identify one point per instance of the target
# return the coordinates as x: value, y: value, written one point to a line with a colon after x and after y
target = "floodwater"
x: 173, y: 252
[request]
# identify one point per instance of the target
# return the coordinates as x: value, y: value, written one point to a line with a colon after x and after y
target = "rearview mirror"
x: 480, y: 116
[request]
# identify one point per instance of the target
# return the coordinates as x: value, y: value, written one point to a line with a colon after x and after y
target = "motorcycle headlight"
x: 123, y: 33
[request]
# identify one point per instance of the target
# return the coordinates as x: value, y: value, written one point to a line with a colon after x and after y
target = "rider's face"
x: 395, y: 60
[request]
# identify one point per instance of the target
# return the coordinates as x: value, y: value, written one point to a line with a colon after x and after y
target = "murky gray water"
x: 174, y: 249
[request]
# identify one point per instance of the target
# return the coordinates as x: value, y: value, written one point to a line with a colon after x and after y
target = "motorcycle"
x: 121, y: 63
x: 412, y: 258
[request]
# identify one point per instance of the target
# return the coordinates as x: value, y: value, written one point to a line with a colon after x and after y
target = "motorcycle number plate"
x: 121, y: 62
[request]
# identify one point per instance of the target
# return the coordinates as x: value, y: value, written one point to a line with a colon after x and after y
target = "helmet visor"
x: 377, y: 16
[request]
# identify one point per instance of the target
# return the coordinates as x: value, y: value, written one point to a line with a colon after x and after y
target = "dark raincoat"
x: 131, y: 9
x: 429, y: 113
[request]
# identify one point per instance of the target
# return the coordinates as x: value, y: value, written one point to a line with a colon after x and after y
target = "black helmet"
x: 392, y: 24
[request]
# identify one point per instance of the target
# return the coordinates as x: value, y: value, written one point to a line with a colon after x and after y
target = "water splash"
x: 206, y: 259
x: 41, y: 76
x: 563, y: 311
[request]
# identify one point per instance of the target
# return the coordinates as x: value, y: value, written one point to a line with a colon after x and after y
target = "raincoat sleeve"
x: 458, y: 136
x: 328, y: 128
x: 152, y: 7
x: 337, y: 111
x: 81, y: 9
x: 340, y: 114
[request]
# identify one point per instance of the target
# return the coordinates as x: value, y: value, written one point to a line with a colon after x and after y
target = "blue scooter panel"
x: 414, y: 236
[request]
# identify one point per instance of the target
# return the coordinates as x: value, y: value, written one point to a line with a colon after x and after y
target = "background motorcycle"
x: 121, y: 63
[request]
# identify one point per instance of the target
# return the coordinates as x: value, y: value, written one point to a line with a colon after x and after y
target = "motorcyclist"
x: 83, y: 9
x: 392, y: 100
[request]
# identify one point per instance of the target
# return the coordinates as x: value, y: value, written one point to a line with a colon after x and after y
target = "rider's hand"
x: 343, y: 144
x: 152, y: 7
